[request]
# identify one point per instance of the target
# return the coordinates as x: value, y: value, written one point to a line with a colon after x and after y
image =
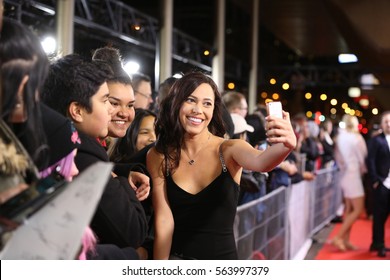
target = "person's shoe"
x: 382, y: 252
x: 376, y: 248
x: 337, y: 220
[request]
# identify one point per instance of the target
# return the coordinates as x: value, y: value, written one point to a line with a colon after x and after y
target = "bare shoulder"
x: 233, y: 147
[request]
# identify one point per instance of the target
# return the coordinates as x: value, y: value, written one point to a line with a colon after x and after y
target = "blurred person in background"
x: 350, y: 154
x: 142, y: 85
x: 235, y: 102
x: 378, y: 163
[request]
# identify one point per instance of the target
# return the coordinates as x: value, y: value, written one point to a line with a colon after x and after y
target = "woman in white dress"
x: 350, y: 154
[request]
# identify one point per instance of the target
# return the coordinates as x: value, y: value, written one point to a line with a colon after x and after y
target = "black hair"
x: 113, y: 58
x: 21, y: 54
x: 258, y: 135
x: 74, y: 78
x: 164, y: 87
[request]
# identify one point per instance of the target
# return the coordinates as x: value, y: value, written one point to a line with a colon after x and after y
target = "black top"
x: 119, y: 217
x: 204, y: 221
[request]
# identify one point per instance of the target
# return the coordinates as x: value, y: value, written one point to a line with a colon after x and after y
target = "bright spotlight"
x: 131, y: 67
x: 347, y: 58
x: 178, y: 75
x: 49, y: 45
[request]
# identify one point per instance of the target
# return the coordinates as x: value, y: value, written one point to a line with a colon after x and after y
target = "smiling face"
x: 197, y: 110
x: 122, y: 100
x: 146, y: 133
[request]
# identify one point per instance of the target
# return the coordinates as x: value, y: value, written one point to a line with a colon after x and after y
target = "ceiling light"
x: 354, y: 92
x: 347, y: 58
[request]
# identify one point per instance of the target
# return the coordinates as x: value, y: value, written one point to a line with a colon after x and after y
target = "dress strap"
x: 221, y: 158
x: 167, y: 170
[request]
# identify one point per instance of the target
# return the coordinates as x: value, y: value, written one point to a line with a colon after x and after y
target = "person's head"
x: 351, y: 123
x: 121, y: 92
x: 142, y: 130
x: 385, y: 122
x: 241, y: 127
x: 327, y: 126
x: 192, y: 106
x: 77, y: 88
x: 24, y: 67
x: 140, y: 134
x: 235, y: 102
x: 314, y: 129
x: 143, y: 90
x: 163, y: 89
x: 257, y: 137
x: 301, y: 125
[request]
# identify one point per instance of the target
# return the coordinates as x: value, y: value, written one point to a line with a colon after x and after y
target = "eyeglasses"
x: 147, y: 96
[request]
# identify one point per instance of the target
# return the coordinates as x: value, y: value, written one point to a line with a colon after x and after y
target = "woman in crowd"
x: 121, y: 92
x: 196, y: 172
x: 122, y: 100
x: 350, y: 155
x: 24, y: 67
x: 140, y: 134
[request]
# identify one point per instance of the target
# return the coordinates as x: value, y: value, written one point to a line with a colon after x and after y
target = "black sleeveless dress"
x: 204, y: 221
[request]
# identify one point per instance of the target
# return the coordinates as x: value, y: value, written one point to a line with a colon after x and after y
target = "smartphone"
x: 274, y: 108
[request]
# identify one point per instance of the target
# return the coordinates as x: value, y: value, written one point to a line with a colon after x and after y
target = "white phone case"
x: 275, y: 109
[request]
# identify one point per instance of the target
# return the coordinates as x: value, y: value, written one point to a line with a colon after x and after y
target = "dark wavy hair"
x: 21, y: 54
x: 169, y: 131
x: 74, y: 78
x: 125, y: 147
x: 112, y: 57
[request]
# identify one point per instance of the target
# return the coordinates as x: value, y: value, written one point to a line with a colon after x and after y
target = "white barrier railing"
x: 280, y: 225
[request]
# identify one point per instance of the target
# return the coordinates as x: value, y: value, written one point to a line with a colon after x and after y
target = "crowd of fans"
x: 114, y: 116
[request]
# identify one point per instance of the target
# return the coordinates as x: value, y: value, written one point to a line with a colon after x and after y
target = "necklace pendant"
x: 191, y: 162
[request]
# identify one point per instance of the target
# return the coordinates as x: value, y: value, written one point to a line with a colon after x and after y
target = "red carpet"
x: 361, y: 237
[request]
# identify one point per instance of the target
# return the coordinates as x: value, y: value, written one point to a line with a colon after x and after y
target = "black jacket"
x: 378, y: 158
x: 119, y: 218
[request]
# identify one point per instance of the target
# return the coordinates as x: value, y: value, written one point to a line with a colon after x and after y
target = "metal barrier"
x: 280, y: 225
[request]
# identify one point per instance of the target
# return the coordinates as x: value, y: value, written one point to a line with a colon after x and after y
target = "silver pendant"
x: 191, y: 162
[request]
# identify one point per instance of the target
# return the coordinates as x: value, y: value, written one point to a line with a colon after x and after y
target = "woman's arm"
x: 163, y: 219
x: 280, y: 135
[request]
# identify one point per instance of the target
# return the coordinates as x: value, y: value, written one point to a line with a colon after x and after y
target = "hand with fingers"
x: 280, y: 130
x: 140, y: 184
